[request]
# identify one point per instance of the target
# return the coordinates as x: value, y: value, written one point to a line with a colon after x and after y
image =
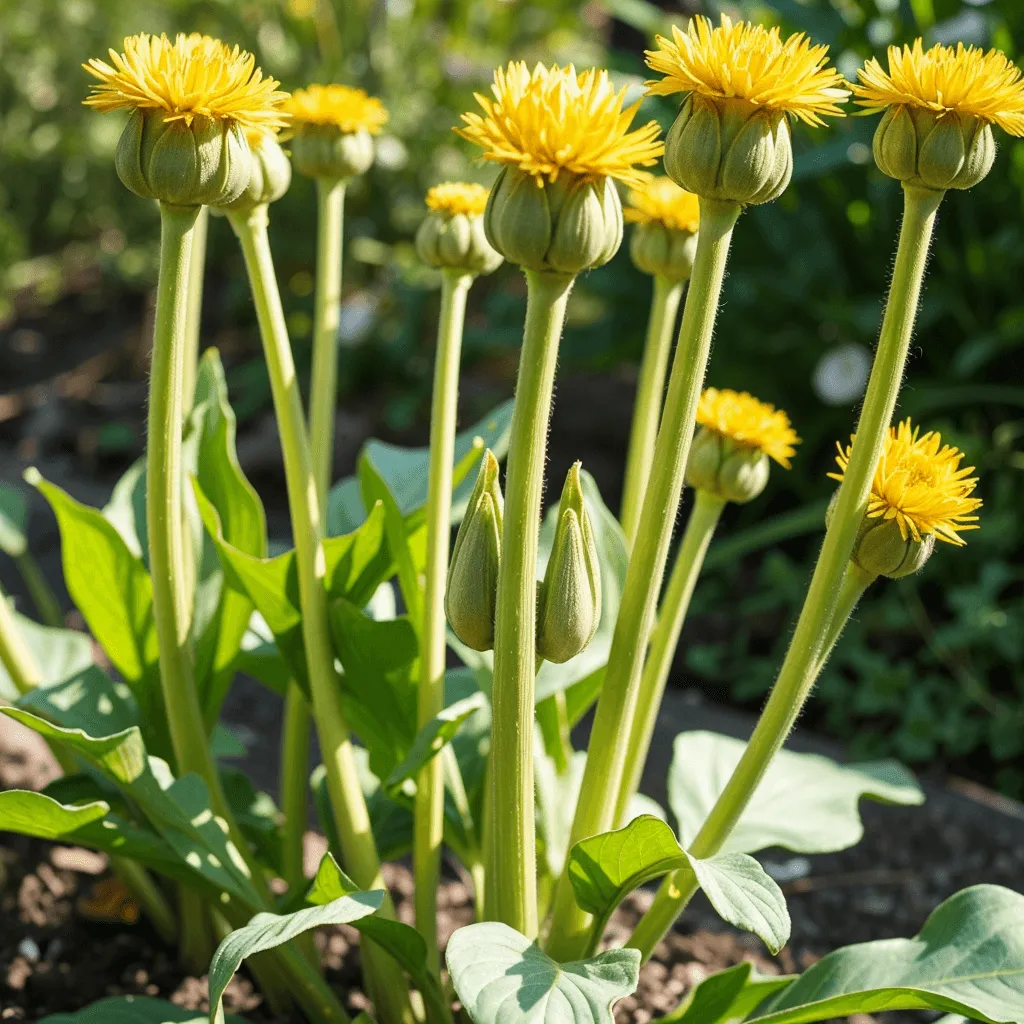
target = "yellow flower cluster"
x: 920, y: 485
x: 749, y: 422
x: 350, y: 110
x: 551, y: 120
x: 748, y: 62
x: 191, y: 76
x: 458, y: 197
x: 662, y: 201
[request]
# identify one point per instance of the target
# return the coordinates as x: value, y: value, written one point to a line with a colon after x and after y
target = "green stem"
x: 818, y: 616
x: 700, y: 527
x: 323, y: 386
x: 15, y: 654
x: 42, y: 593
x: 358, y: 849
x: 294, y: 786
x: 194, y: 316
x: 553, y: 719
x: 429, y: 807
x: 613, y: 721
x: 649, y: 394
x: 512, y: 872
x: 148, y: 893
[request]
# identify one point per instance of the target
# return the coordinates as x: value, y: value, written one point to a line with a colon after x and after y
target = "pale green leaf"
x: 58, y: 653
x: 134, y: 1010
x: 728, y: 995
x: 89, y: 700
x: 504, y: 978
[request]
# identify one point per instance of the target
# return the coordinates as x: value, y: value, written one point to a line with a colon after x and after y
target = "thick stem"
x: 323, y: 385
x: 707, y: 509
x: 512, y: 872
x: 649, y: 394
x: 294, y: 783
x: 613, y: 721
x: 194, y: 316
x: 429, y: 807
x: 352, y: 819
x: 818, y: 616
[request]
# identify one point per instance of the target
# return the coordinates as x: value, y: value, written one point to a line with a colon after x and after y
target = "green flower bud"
x: 271, y: 174
x: 566, y: 226
x: 718, y: 464
x: 921, y: 148
x: 664, y: 252
x: 569, y: 599
x: 729, y: 150
x: 325, y: 151
x: 472, y: 589
x: 881, y: 550
x: 457, y: 242
x: 203, y: 163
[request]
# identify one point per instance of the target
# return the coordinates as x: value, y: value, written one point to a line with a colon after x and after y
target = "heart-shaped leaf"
x: 968, y: 958
x: 805, y: 803
x: 728, y: 995
x: 604, y: 869
x: 134, y: 1010
x: 504, y: 978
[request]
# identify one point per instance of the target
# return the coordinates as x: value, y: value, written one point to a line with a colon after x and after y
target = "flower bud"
x: 664, y: 252
x: 721, y: 466
x: 567, y: 226
x: 569, y: 599
x: 203, y: 161
x: 472, y: 590
x: 325, y: 151
x: 456, y: 242
x: 921, y: 148
x: 881, y: 549
x: 729, y: 150
x: 271, y: 174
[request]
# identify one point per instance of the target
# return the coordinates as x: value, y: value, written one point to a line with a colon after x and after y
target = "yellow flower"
x: 751, y: 63
x: 458, y: 197
x: 193, y: 76
x: 662, y: 201
x: 350, y: 110
x: 748, y: 422
x: 920, y: 486
x: 552, y: 120
x: 965, y: 81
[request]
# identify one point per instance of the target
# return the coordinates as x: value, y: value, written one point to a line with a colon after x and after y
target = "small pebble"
x: 29, y: 949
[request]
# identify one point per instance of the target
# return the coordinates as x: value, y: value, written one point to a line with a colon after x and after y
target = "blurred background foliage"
x: 932, y: 670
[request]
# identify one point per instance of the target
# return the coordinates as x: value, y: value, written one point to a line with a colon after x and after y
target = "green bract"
x: 665, y: 252
x: 325, y: 151
x: 456, y: 242
x: 733, y: 472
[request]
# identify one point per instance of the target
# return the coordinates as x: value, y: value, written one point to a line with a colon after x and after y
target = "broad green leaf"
x: 345, y: 508
x: 256, y: 813
x: 968, y: 959
x: 126, y: 509
x: 727, y: 996
x: 404, y: 944
x: 112, y: 589
x: 359, y: 562
x: 268, y: 931
x: 504, y: 978
x: 431, y: 739
x: 805, y: 803
x: 134, y: 1010
x: 59, y: 653
x: 30, y: 813
x: 13, y: 520
x: 604, y: 869
x: 260, y: 657
x: 90, y: 700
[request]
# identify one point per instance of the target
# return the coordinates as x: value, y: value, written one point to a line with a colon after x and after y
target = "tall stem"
x: 429, y: 808
x: 512, y: 872
x: 15, y: 654
x: 613, y: 721
x: 296, y: 732
x: 707, y: 510
x: 194, y: 316
x: 817, y: 617
x: 358, y: 849
x: 649, y: 394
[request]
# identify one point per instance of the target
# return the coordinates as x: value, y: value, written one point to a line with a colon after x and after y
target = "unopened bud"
x: 721, y: 466
x: 472, y: 589
x: 202, y: 162
x: 662, y: 251
x: 729, y: 150
x: 271, y: 174
x: 325, y: 151
x: 567, y: 226
x: 922, y: 148
x: 569, y: 599
x: 882, y: 550
x: 452, y: 235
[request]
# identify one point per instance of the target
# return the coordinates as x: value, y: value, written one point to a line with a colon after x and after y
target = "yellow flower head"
x: 193, y: 76
x: 920, y: 485
x: 662, y: 201
x: 553, y: 119
x: 965, y: 80
x: 748, y: 62
x: 749, y: 422
x: 350, y: 110
x: 458, y: 197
